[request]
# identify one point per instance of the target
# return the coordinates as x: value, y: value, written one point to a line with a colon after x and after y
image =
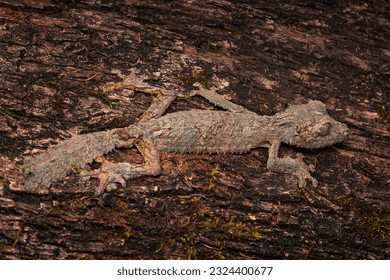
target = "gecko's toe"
x: 108, y: 175
x: 303, y: 178
x: 85, y: 175
x: 314, y: 182
x: 111, y: 187
x: 108, y: 181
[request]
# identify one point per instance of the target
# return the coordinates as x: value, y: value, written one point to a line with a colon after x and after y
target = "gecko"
x: 232, y: 130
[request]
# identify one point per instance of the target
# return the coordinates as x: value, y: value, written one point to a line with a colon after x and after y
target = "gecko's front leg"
x: 289, y: 165
x: 110, y: 173
x: 299, y: 168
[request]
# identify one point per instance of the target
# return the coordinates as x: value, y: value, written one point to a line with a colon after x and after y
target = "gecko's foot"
x: 303, y: 173
x: 108, y: 178
x: 131, y: 81
x: 310, y: 194
x: 135, y: 82
x: 201, y: 89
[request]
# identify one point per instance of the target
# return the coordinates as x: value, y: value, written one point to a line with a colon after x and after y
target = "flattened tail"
x: 43, y: 169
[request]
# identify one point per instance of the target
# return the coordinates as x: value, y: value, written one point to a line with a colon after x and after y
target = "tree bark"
x: 56, y: 55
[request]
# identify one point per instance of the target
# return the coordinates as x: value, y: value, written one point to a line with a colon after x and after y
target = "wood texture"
x: 56, y: 55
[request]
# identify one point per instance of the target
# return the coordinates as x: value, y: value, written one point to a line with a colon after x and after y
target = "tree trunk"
x: 56, y: 55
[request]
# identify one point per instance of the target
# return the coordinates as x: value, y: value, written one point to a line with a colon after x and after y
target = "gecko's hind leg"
x: 163, y: 98
x: 213, y: 97
x: 110, y: 173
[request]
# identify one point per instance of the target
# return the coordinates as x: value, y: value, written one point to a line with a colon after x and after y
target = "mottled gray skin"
x: 236, y: 130
x: 211, y: 131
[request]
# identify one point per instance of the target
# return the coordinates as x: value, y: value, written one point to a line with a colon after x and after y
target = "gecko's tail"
x: 53, y: 165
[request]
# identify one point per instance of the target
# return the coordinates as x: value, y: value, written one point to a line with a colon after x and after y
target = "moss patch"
x: 384, y: 116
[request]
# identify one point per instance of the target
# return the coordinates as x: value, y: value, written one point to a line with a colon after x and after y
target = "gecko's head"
x: 313, y: 127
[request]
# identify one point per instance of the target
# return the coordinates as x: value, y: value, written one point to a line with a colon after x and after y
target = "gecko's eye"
x: 324, y: 130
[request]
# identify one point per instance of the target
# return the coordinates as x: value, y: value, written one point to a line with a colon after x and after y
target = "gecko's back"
x: 209, y: 131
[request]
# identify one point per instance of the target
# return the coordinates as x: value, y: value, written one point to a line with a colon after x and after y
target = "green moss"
x: 383, y: 116
x: 77, y: 204
x: 2, y: 247
x: 18, y: 235
x: 122, y: 206
x: 375, y: 224
x: 345, y: 202
x: 131, y: 233
x: 370, y: 221
x: 195, y: 75
x: 246, y: 230
x: 204, y: 231
x: 213, y: 178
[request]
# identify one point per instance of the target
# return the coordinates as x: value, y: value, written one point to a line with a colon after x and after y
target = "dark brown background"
x: 56, y: 55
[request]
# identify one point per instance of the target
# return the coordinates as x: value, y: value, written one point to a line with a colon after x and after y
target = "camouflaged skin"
x: 236, y: 130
